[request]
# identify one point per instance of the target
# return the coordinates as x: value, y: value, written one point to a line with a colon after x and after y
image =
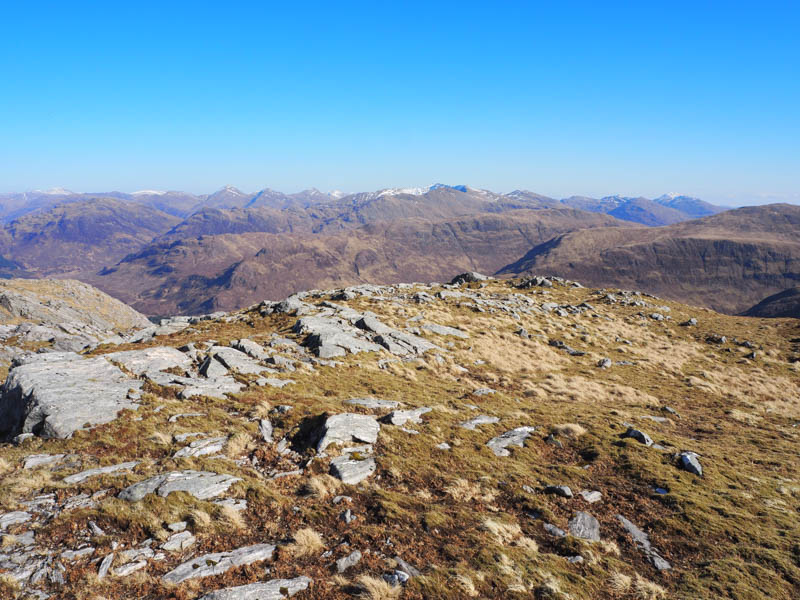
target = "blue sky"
x: 559, y: 98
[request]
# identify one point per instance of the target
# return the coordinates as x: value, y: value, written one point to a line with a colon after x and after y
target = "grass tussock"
x: 645, y: 589
x: 321, y: 486
x: 373, y: 588
x: 306, y: 542
x: 569, y: 430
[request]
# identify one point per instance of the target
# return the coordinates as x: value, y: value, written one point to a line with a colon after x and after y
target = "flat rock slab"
x: 444, y: 330
x: 401, y: 417
x: 220, y: 562
x: 352, y: 471
x: 202, y: 447
x: 37, y: 460
x: 515, y: 437
x: 688, y: 462
x: 160, y: 358
x: 251, y: 348
x: 14, y: 518
x: 270, y: 590
x: 479, y: 420
x: 55, y: 394
x: 328, y: 337
x: 348, y: 561
x: 348, y: 427
x: 84, y: 475
x: 373, y: 403
x: 234, y: 360
x: 200, y: 484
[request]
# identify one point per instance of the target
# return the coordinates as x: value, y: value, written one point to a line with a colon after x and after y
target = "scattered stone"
x: 174, y: 418
x: 251, y: 348
x: 639, y: 436
x: 688, y: 462
x: 483, y: 392
x: 559, y: 490
x: 129, y: 568
x: 373, y: 403
x: 443, y: 446
x: 553, y: 530
x: 177, y: 526
x: 219, y: 562
x: 642, y: 541
x: 591, y: 496
x: 575, y: 559
x: 348, y: 516
x: 444, y: 330
x: 468, y: 277
x: 604, y: 363
x: 348, y: 561
x: 568, y: 349
x: 585, y: 526
x: 516, y: 437
x: 105, y: 565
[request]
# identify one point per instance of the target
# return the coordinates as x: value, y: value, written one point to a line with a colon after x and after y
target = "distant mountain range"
x: 664, y: 210
x: 171, y: 252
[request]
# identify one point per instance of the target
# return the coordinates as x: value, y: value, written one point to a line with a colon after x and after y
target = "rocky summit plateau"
x: 483, y: 438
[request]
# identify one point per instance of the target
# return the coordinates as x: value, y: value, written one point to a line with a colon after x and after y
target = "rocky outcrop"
x: 52, y: 395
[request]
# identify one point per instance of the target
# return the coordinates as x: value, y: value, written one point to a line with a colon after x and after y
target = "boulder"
x: 468, y: 277
x: 352, y: 470
x: 479, y: 420
x: 688, y: 462
x: 160, y: 358
x: 401, y: 417
x: 585, y: 526
x: 642, y: 542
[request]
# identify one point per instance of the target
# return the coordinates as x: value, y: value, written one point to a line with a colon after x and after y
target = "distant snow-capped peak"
x: 148, y: 193
x: 56, y: 191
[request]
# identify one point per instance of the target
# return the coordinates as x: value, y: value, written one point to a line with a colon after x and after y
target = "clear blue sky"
x: 560, y: 98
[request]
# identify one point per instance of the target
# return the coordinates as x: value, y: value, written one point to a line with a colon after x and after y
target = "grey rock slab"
x: 15, y: 517
x: 200, y: 484
x: 483, y: 392
x: 584, y: 526
x: 211, y: 368
x: 352, y: 471
x: 275, y: 382
x: 479, y: 420
x: 265, y: 429
x: 373, y: 403
x: 591, y: 496
x: 202, y: 447
x: 219, y: 562
x: 642, y: 542
x: 129, y: 568
x: 516, y: 437
x: 251, y: 348
x: 160, y: 358
x: 235, y: 360
x: 174, y: 418
x: 553, y: 530
x: 348, y: 561
x: 84, y: 475
x: 275, y: 589
x: 403, y: 343
x: 178, y: 542
x: 37, y: 460
x: 105, y: 565
x: 348, y: 427
x: 53, y: 395
x: 688, y: 462
x: 177, y: 526
x: 468, y: 277
x: 639, y: 436
x: 213, y: 388
x: 331, y: 336
x: 401, y: 417
x: 445, y: 330
x: 559, y: 490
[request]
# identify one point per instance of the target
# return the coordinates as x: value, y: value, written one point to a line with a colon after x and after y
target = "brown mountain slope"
x: 727, y: 261
x: 81, y: 236
x: 227, y: 271
x: 782, y: 304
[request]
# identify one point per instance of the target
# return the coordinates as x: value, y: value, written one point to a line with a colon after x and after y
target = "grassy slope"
x: 731, y: 534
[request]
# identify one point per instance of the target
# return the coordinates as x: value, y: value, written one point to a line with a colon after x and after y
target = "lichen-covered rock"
x: 348, y: 427
x: 275, y: 589
x: 200, y: 484
x: 219, y: 562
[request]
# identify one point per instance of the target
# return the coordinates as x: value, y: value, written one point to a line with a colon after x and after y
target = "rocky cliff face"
x: 481, y: 439
x: 785, y: 304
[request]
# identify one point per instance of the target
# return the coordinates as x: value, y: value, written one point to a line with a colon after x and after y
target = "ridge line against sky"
x: 628, y: 98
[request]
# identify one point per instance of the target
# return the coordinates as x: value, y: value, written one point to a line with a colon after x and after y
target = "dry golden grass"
x: 306, y: 542
x: 373, y: 588
x: 647, y: 590
x: 321, y: 486
x: 619, y: 582
x: 466, y: 585
x: 462, y: 490
x: 159, y: 437
x: 232, y: 517
x: 199, y: 519
x: 238, y: 444
x: 261, y: 410
x: 570, y: 430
